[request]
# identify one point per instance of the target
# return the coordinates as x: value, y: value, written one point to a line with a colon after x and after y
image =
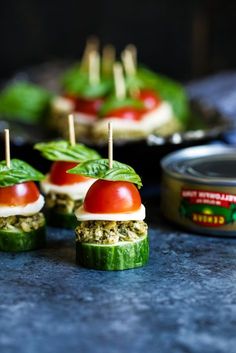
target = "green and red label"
x: 208, y: 208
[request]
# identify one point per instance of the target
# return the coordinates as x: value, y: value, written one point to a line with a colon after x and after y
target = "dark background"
x: 184, y: 39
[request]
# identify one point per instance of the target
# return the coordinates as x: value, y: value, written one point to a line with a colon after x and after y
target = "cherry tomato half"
x: 19, y: 194
x: 106, y: 196
x: 150, y: 99
x: 126, y: 113
x: 87, y: 106
x: 59, y: 176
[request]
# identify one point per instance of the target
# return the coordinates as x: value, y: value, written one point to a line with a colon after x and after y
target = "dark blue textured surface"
x: 184, y: 300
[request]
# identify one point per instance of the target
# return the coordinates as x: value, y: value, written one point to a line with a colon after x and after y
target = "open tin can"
x: 199, y: 189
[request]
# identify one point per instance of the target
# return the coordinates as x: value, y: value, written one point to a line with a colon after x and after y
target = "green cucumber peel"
x: 13, y: 241
x: 113, y: 257
x: 19, y: 172
x: 63, y: 151
x: 114, y: 103
x: 60, y: 220
x: 24, y: 101
x: 99, y: 169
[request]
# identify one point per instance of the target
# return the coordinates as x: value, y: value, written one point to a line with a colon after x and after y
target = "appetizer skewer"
x: 22, y: 225
x: 136, y: 116
x: 111, y: 233
x: 64, y: 192
x: 85, y: 91
x: 138, y: 103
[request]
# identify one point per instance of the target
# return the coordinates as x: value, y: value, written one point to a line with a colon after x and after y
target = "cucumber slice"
x: 60, y: 220
x: 22, y: 241
x: 121, y: 256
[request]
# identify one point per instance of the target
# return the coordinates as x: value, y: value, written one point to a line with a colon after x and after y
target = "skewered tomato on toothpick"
x: 22, y: 225
x: 65, y: 192
x: 111, y: 233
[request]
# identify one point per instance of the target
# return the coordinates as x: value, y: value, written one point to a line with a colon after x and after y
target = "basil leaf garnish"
x: 24, y: 101
x: 168, y: 89
x: 96, y: 91
x: 114, y: 103
x: 63, y: 151
x: 99, y: 169
x: 19, y: 172
x: 76, y: 81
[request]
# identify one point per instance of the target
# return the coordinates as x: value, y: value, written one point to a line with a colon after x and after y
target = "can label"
x: 208, y: 208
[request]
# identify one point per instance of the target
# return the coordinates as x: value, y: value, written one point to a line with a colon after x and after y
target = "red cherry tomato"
x: 72, y: 98
x: 106, y: 196
x: 87, y: 106
x: 59, y: 176
x: 150, y: 99
x: 126, y: 113
x: 19, y: 194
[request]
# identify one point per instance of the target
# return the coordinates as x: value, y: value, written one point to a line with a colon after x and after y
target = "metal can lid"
x: 207, y: 164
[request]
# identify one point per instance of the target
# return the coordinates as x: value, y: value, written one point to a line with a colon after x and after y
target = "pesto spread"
x: 22, y: 223
x: 110, y: 232
x: 61, y: 203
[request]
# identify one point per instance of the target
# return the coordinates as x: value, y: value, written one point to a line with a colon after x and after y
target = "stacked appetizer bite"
x: 134, y: 114
x: 143, y: 103
x: 22, y: 225
x: 64, y: 192
x: 111, y: 233
x: 138, y: 102
x: 85, y: 87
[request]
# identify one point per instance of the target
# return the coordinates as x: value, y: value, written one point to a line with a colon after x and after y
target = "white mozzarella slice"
x: 62, y: 105
x: 76, y: 191
x: 27, y: 210
x: 157, y: 117
x: 83, y: 118
x: 138, y: 215
x: 150, y: 121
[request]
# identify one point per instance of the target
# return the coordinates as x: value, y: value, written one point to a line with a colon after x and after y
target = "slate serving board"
x: 182, y: 301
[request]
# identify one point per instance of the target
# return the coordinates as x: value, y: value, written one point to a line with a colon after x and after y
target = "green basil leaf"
x: 169, y: 90
x: 24, y: 101
x: 99, y: 169
x: 63, y: 151
x: 19, y: 172
x: 114, y: 103
x: 76, y: 81
x: 98, y: 90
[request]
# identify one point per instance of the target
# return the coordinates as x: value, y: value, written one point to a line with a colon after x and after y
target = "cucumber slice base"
x: 122, y: 256
x: 60, y: 220
x: 22, y: 241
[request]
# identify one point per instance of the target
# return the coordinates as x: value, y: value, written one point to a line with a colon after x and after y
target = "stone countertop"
x: 183, y: 301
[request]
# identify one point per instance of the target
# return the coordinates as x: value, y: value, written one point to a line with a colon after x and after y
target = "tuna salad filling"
x: 110, y: 232
x: 22, y: 223
x: 61, y: 203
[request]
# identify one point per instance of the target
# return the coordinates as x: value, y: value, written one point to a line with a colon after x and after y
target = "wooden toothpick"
x: 91, y: 44
x: 130, y: 69
x: 7, y: 148
x: 120, y: 87
x: 94, y: 67
x: 133, y: 50
x: 71, y: 129
x: 128, y: 62
x: 108, y: 59
x: 110, y: 145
